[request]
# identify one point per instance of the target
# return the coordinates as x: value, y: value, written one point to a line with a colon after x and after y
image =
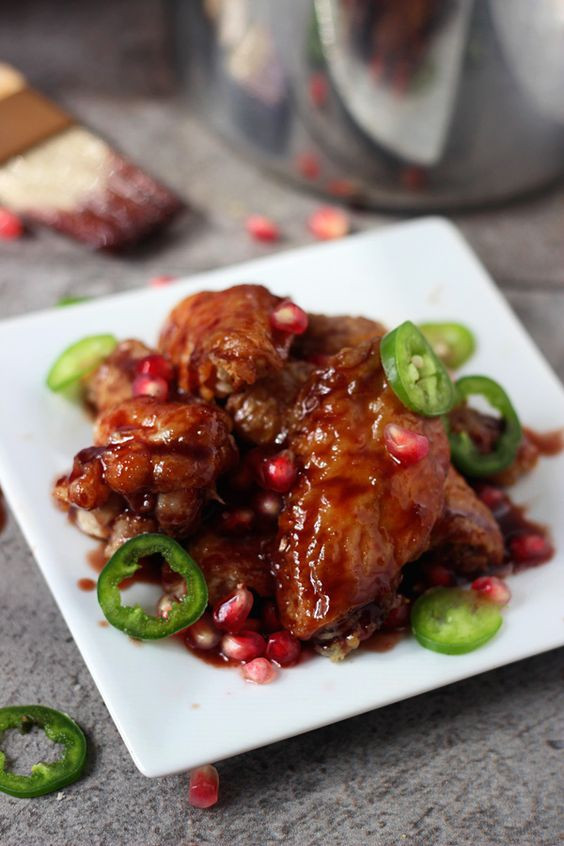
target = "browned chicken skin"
x: 223, y: 340
x: 329, y: 335
x: 111, y: 382
x: 354, y: 516
x: 227, y: 561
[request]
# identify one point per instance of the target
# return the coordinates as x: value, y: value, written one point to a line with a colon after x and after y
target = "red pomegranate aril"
x: 318, y: 89
x: 267, y: 504
x: 492, y: 497
x: 237, y: 520
x: 404, y: 446
x: 270, y: 618
x: 398, y: 618
x: 262, y: 228
x: 288, y: 317
x: 202, y: 634
x: 231, y: 612
x: 279, y: 472
x: 204, y: 787
x: 283, y: 648
x: 244, y: 646
x: 329, y: 223
x: 530, y: 549
x: 438, y: 576
x: 259, y: 671
x: 308, y: 165
x: 493, y: 589
x: 156, y: 366
x: 161, y: 281
x: 146, y: 386
x: 11, y: 227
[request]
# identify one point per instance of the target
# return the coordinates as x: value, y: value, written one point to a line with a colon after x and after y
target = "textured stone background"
x: 475, y: 763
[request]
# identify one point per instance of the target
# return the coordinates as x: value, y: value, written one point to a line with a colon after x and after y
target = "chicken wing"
x: 111, y: 382
x: 222, y: 340
x: 229, y: 560
x: 328, y: 335
x: 354, y: 516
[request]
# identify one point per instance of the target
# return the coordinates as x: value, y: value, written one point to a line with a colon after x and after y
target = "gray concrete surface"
x: 475, y: 764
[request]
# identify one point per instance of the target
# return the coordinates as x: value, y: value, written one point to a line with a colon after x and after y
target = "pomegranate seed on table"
x: 243, y: 646
x: 308, y: 165
x: 329, y: 223
x: 404, y: 446
x: 262, y: 228
x: 146, y: 386
x: 231, y: 612
x: 278, y: 472
x: 202, y: 634
x: 438, y: 576
x: 530, y: 549
x: 11, y: 227
x: 156, y: 366
x: 492, y: 588
x: 288, y: 317
x: 283, y: 648
x: 318, y: 89
x: 342, y: 188
x: 259, y: 671
x: 204, y: 787
x: 267, y: 504
x: 237, y: 520
x: 161, y: 281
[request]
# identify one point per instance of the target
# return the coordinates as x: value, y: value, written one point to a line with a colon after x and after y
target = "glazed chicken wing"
x: 354, y: 516
x: 227, y: 561
x: 328, y: 335
x: 222, y: 340
x: 111, y: 382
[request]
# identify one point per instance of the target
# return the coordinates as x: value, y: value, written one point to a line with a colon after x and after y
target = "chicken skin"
x: 326, y: 335
x: 112, y: 381
x: 229, y: 560
x: 354, y: 516
x: 223, y: 340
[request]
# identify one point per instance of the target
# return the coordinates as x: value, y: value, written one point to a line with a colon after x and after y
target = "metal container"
x: 398, y: 104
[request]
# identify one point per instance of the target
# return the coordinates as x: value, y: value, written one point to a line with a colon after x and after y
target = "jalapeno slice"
x: 464, y: 452
x: 454, y: 343
x: 416, y: 375
x: 454, y: 621
x: 133, y: 620
x: 44, y: 778
x: 70, y: 300
x: 78, y: 360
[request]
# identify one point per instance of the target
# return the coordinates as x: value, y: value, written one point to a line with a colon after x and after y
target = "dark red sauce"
x: 86, y: 584
x: 547, y: 443
x: 103, y: 624
x: 96, y: 558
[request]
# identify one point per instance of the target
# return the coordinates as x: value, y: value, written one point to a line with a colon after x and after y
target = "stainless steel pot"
x: 401, y: 104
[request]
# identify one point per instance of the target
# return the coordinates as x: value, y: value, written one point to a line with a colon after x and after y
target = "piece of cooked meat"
x: 327, y: 335
x: 262, y: 412
x: 466, y: 538
x: 111, y: 382
x: 354, y: 516
x: 227, y: 561
x: 125, y: 527
x: 163, y: 458
x: 222, y: 340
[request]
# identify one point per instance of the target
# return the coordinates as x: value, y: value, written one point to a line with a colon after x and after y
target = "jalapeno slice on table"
x: 133, y: 620
x: 454, y: 621
x: 44, y: 778
x: 454, y: 343
x: 416, y: 375
x: 78, y: 360
x: 464, y: 452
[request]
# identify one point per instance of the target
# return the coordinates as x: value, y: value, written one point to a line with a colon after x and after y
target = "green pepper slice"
x: 416, y: 375
x: 70, y: 300
x: 133, y: 620
x: 78, y: 360
x: 464, y: 452
x: 454, y: 621
x: 454, y: 343
x: 44, y: 778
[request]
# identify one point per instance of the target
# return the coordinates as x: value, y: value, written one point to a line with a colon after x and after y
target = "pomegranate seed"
x: 243, y: 646
x: 342, y: 188
x: 328, y: 223
x: 308, y: 166
x: 156, y: 366
x: 231, y: 612
x: 288, y: 317
x: 259, y: 671
x: 530, y: 549
x: 202, y: 634
x: 279, y: 472
x: 267, y: 504
x: 283, y: 648
x: 145, y: 386
x: 404, y: 446
x: 262, y: 228
x: 237, y: 520
x: 318, y: 89
x: 172, y: 582
x: 413, y: 178
x: 11, y: 227
x: 204, y: 787
x: 437, y: 575
x: 165, y: 604
x: 492, y: 497
x: 398, y: 618
x: 270, y: 619
x: 492, y: 588
x: 161, y: 281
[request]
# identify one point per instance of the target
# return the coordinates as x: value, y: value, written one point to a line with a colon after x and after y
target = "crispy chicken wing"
x: 354, y: 516
x: 328, y: 335
x: 222, y: 340
x: 111, y: 382
x: 229, y: 560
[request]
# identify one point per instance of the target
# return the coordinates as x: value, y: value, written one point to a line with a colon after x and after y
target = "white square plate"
x: 173, y: 711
